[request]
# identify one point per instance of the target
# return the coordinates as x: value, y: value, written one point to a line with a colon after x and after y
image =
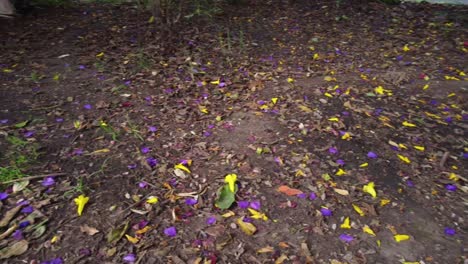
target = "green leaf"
x: 117, y: 233
x: 21, y: 124
x: 38, y: 232
x: 225, y: 197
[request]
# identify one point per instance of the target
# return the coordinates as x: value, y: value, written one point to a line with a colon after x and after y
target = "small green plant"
x: 133, y: 129
x: 79, y: 188
x: 108, y: 129
x: 143, y: 61
x: 36, y: 77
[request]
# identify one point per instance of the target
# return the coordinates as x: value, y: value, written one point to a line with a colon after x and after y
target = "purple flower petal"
x: 211, y: 220
x: 145, y: 150
x: 243, y: 204
x: 3, y: 196
x: 48, y: 181
x: 129, y: 258
x: 53, y: 261
x: 152, y: 162
x: 59, y: 120
x: 77, y: 152
x: 346, y: 238
x: 450, y: 231
x: 170, y: 231
x: 191, y: 201
x: 312, y: 196
x: 333, y: 150
x: 23, y: 224
x: 88, y: 107
x: 409, y: 183
x: 326, y: 211
x: 451, y: 187
x: 3, y: 121
x: 29, y: 133
x: 152, y: 129
x: 27, y: 210
x: 255, y: 205
x: 17, y: 235
x: 142, y: 184
x: 302, y: 196
x: 340, y: 162
x: 132, y: 166
x: 372, y: 155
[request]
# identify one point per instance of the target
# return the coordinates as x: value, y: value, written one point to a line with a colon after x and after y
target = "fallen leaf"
x: 90, y: 231
x: 341, y: 191
x: 267, y: 249
x: 131, y: 239
x: 9, y: 215
x: 16, y: 249
x: 117, y: 233
x: 19, y: 186
x: 225, y: 197
x: 289, y: 191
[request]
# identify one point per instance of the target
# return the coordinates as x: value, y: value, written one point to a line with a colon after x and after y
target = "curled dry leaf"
x: 90, y: 231
x: 289, y: 191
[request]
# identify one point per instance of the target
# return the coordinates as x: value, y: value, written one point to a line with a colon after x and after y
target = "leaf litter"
x: 338, y: 139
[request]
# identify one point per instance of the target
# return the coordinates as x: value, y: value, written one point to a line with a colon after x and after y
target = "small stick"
x: 34, y: 177
x: 444, y: 159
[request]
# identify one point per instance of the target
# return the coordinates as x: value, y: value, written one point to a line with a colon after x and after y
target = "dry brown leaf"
x: 90, y: 231
x: 289, y: 191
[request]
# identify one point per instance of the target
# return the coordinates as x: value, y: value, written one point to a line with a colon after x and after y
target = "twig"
x: 34, y: 177
x: 444, y: 159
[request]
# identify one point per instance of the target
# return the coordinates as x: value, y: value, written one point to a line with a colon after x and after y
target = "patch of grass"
x: 79, y: 188
x: 108, y: 130
x: 10, y: 173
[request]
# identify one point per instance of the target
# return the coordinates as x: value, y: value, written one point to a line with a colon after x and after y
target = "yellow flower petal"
x: 358, y: 210
x: 403, y: 158
x: 231, y: 180
x: 368, y: 230
x: 80, y: 202
x: 334, y: 119
x: 290, y: 80
x: 420, y: 148
x: 384, y: 202
x: 248, y: 228
x: 406, y: 48
x: 369, y: 188
x: 340, y: 172
x: 152, y: 200
x: 379, y: 90
x: 228, y: 214
x: 408, y: 124
x: 257, y: 214
x: 181, y: 166
x: 215, y: 82
x: 274, y: 100
x: 364, y: 165
x: 131, y: 239
x: 345, y: 224
x: 100, y: 54
x: 399, y: 238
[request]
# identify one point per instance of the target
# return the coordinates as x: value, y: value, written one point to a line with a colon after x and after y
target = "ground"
x: 325, y: 112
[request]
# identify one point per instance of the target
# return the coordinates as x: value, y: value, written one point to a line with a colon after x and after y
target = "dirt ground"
x: 310, y: 105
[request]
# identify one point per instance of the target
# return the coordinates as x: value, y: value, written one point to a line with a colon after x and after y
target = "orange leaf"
x: 289, y: 191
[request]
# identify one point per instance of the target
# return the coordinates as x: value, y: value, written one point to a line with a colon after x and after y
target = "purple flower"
x: 346, y: 238
x: 53, y: 261
x: 29, y: 133
x: 211, y: 220
x: 170, y: 231
x: 3, y: 196
x: 145, y: 150
x: 333, y: 150
x: 127, y: 83
x: 191, y: 201
x: 247, y: 219
x: 449, y: 231
x: 302, y: 195
x: 465, y: 155
x: 77, y: 152
x: 451, y: 187
x: 448, y: 119
x: 207, y: 133
x: 88, y: 107
x: 312, y: 196
x: 152, y: 162
x: 129, y: 258
x: 27, y: 210
x: 255, y: 205
x: 59, y: 120
x: 81, y: 67
x: 17, y: 235
x: 142, y: 184
x: 243, y: 204
x: 23, y: 224
x: 132, y: 166
x: 372, y: 155
x: 152, y: 129
x: 340, y: 162
x: 409, y: 183
x: 48, y: 181
x: 326, y: 211
x: 3, y: 121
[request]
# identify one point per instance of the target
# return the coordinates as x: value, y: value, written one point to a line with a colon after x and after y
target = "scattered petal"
x: 170, y: 231
x: 369, y: 188
x: 399, y: 238
x: 80, y: 202
x: 346, y: 224
x: 346, y: 238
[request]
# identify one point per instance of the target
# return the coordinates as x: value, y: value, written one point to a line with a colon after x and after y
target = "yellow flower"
x: 403, y: 158
x: 257, y: 214
x: 290, y: 80
x: 369, y: 188
x: 152, y: 200
x: 358, y: 210
x: 408, y: 124
x: 80, y: 202
x: 399, y: 238
x: 340, y: 172
x: 368, y: 230
x: 181, y: 166
x: 406, y: 48
x: 231, y: 180
x: 345, y: 224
